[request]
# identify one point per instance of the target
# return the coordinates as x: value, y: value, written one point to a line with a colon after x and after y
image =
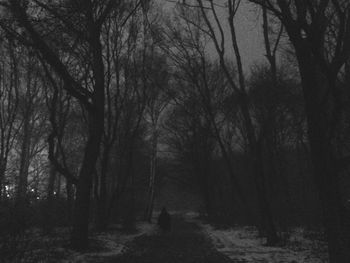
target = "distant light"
x: 303, y: 33
x: 32, y: 190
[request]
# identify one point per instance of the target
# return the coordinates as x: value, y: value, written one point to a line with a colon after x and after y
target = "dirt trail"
x: 184, y: 244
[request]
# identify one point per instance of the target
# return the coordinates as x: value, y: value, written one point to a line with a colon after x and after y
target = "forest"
x: 111, y: 110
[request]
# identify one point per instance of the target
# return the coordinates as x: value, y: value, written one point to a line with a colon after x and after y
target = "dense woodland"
x: 102, y: 102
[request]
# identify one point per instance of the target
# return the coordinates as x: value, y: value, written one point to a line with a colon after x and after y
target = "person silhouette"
x: 164, y: 220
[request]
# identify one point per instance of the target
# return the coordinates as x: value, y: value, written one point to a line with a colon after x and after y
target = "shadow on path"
x: 184, y: 244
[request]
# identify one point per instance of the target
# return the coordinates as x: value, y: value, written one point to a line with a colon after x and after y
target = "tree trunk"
x: 70, y: 199
x: 152, y: 180
x: 205, y: 187
x: 50, y: 202
x: 79, y: 235
x: 102, y: 218
x: 2, y: 177
x: 319, y: 111
x: 255, y: 148
x: 326, y: 176
x: 266, y: 216
x: 58, y: 187
x: 129, y: 213
x: 21, y: 203
x: 24, y: 161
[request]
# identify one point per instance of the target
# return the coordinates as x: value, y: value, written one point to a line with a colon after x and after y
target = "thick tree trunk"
x: 255, y: 147
x: 266, y: 216
x: 81, y: 214
x: 319, y: 109
x: 79, y: 235
x: 326, y: 176
x: 21, y: 204
x: 25, y: 144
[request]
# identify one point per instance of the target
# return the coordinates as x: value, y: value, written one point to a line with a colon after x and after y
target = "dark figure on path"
x: 164, y: 220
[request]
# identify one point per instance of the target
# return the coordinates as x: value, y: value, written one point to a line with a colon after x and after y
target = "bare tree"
x: 214, y: 29
x: 82, y: 27
x: 29, y: 101
x: 9, y: 101
x: 157, y: 81
x: 320, y: 34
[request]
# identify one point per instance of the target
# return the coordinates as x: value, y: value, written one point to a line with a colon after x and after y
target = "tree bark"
x: 255, y: 148
x: 24, y: 157
x: 102, y: 217
x: 153, y: 171
x: 2, y: 177
x: 70, y: 199
x: 50, y: 202
x: 267, y: 218
x: 79, y: 235
x: 323, y: 153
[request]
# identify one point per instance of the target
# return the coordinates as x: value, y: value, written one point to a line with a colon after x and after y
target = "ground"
x: 184, y: 244
x: 242, y: 244
x: 191, y: 240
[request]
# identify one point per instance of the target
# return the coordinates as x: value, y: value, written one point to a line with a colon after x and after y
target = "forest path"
x: 184, y: 244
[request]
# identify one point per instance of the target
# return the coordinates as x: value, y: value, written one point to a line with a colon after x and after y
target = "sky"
x: 249, y: 33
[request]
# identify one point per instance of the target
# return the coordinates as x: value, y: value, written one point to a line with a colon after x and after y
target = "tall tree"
x: 29, y: 93
x: 80, y: 26
x: 320, y: 34
x: 214, y: 29
x: 9, y: 101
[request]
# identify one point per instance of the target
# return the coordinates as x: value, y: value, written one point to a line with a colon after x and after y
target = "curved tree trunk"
x: 79, y: 235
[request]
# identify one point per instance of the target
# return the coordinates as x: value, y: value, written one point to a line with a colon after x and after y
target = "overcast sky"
x: 249, y: 33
